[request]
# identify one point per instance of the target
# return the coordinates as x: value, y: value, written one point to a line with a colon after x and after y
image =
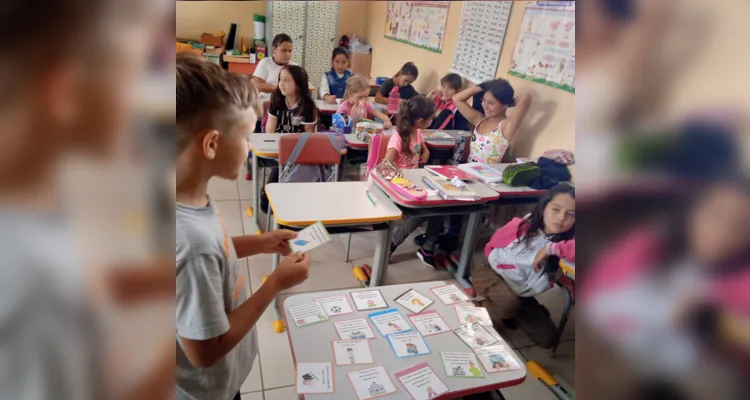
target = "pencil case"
x: 408, y: 189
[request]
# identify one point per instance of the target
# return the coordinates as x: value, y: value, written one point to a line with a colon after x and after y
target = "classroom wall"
x: 549, y: 124
x: 197, y: 17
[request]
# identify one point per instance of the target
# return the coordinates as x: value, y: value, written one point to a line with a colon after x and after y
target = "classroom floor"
x: 269, y: 379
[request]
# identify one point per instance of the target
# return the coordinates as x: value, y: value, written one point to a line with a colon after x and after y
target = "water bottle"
x: 394, y: 98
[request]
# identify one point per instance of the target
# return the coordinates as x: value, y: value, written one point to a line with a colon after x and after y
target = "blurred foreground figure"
x: 665, y: 202
x: 67, y: 69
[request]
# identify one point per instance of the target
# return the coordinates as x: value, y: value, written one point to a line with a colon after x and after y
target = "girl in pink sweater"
x: 518, y: 268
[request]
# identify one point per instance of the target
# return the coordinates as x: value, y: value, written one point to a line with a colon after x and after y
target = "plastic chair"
x: 373, y: 159
x: 317, y: 151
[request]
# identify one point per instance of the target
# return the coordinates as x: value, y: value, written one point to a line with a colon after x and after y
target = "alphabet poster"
x: 546, y: 48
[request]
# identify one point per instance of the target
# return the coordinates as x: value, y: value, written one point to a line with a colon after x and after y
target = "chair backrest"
x: 376, y: 150
x: 317, y: 151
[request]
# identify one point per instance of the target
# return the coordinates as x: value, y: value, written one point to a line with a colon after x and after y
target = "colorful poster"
x: 314, y: 377
x: 371, y: 383
x: 419, y: 23
x: 421, y: 382
x: 546, y: 46
x: 481, y: 33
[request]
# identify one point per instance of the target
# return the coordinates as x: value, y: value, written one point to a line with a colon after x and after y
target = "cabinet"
x: 313, y: 27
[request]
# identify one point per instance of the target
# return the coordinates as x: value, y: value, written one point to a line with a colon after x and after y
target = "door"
x: 322, y: 36
x: 289, y: 17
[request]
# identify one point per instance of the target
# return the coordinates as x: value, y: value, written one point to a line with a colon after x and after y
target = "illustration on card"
x: 309, y: 379
x: 376, y: 389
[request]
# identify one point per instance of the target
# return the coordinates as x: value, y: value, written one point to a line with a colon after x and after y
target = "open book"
x: 448, y: 191
x: 483, y: 172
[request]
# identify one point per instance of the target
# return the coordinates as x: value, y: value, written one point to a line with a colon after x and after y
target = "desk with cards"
x: 367, y: 344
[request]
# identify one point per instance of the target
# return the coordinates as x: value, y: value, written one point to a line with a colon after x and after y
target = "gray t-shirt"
x: 209, y: 286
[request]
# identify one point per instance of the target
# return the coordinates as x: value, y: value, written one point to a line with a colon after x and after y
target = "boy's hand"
x: 277, y: 242
x: 291, y: 271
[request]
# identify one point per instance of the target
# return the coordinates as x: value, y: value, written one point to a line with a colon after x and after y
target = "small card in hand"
x: 309, y: 238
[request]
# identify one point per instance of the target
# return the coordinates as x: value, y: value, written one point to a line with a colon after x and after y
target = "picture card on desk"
x: 421, y: 382
x: 368, y: 300
x: 414, y: 301
x: 389, y: 321
x: 306, y: 314
x: 314, y: 377
x: 356, y: 328
x: 371, y: 383
x: 467, y: 313
x: 450, y: 294
x: 335, y: 305
x: 461, y: 365
x: 429, y: 323
x: 475, y: 336
x: 349, y: 352
x: 497, y: 358
x: 309, y: 238
x: 408, y: 344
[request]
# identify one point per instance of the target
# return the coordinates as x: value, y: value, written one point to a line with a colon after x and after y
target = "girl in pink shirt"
x: 355, y: 102
x: 407, y: 148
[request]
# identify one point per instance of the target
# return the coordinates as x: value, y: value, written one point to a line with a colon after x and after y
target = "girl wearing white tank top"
x: 493, y: 129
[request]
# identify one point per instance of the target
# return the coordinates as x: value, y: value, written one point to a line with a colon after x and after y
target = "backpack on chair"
x: 312, y: 164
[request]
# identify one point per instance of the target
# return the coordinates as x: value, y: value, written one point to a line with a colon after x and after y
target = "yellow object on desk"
x: 568, y: 268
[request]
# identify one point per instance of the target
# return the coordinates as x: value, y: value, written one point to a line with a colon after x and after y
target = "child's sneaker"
x: 420, y: 239
x: 427, y: 257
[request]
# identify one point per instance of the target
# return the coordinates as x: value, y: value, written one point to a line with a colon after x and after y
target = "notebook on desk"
x: 448, y: 191
x: 449, y: 171
x: 483, y: 172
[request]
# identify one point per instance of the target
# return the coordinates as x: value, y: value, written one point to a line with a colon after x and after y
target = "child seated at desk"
x: 445, y: 108
x: 407, y: 150
x: 292, y: 110
x: 516, y: 254
x: 356, y: 104
x: 266, y: 75
x: 334, y: 82
x: 402, y: 80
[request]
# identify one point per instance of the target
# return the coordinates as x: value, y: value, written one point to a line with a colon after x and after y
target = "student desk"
x: 343, y: 207
x: 434, y: 205
x: 312, y: 343
x: 264, y: 146
x: 515, y: 191
x: 355, y: 143
x: 326, y: 108
x: 568, y: 268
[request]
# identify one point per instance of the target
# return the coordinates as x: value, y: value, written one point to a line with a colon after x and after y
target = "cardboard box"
x: 210, y: 40
x: 361, y: 63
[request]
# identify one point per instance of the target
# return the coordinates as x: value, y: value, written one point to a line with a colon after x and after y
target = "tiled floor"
x: 270, y: 380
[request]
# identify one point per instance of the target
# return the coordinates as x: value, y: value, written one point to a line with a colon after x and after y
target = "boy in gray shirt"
x: 216, y: 113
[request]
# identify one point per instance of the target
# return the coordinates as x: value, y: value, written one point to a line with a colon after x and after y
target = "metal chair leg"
x: 268, y: 219
x: 348, y: 246
x: 564, y: 319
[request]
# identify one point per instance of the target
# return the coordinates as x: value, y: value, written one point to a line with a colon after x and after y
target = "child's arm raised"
x: 523, y: 101
x: 471, y: 115
x: 200, y: 306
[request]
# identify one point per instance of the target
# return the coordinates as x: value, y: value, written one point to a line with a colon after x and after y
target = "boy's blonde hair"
x: 356, y: 83
x: 209, y: 97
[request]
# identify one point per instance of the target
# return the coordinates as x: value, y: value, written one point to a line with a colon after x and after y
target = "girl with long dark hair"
x: 516, y: 271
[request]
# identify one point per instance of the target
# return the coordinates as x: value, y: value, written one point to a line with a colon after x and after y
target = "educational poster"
x: 418, y: 23
x: 421, y: 382
x: 481, y: 33
x: 309, y: 238
x: 467, y: 313
x: 389, y: 322
x: 314, y: 377
x: 356, y: 328
x: 306, y: 314
x: 475, y: 336
x: 368, y: 300
x: 546, y: 48
x: 449, y: 294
